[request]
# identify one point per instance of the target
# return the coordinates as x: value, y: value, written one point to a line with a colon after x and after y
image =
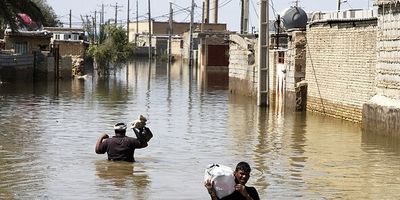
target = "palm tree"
x: 10, y: 9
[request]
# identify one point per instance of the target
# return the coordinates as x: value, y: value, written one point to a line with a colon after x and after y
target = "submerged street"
x: 48, y: 133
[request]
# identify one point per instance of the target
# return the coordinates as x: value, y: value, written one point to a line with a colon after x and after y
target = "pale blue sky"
x: 229, y: 12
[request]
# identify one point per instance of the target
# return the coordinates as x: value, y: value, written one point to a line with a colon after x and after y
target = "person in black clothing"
x: 120, y: 147
x: 242, y: 192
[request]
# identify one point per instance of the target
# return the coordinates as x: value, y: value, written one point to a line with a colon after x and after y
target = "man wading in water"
x: 242, y: 192
x: 120, y: 147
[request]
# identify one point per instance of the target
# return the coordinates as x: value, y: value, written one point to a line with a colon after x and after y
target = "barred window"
x: 21, y: 48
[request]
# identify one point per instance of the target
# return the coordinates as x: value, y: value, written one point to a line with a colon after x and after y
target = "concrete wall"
x: 243, y: 76
x: 23, y: 67
x: 295, y: 59
x: 295, y: 69
x: 243, y: 66
x: 340, y: 72
x: 16, y: 67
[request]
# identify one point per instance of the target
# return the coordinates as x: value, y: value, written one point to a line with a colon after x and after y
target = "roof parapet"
x: 382, y: 2
x: 346, y: 15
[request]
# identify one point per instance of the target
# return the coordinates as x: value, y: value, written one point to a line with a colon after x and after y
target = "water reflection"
x: 123, y: 175
x: 48, y: 134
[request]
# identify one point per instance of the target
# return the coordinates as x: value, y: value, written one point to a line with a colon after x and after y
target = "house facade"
x: 27, y: 42
x: 69, y: 41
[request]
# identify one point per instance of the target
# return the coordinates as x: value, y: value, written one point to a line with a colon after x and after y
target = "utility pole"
x: 339, y: 4
x: 102, y: 14
x: 191, y: 36
x: 127, y: 22
x: 202, y: 18
x: 101, y: 25
x: 206, y: 11
x: 170, y: 31
x: 244, y: 21
x: 70, y: 18
x: 94, y: 27
x: 263, y: 46
x: 137, y: 21
x: 214, y: 9
x: 150, y: 35
x: 116, y: 12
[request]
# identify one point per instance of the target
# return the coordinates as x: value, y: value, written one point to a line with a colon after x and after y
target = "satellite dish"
x: 294, y: 17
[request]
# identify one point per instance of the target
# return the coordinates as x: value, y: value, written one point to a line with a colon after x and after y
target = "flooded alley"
x: 48, y: 134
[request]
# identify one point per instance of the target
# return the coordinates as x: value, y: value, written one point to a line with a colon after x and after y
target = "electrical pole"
x: 70, y: 18
x: 191, y: 36
x: 202, y: 18
x: 244, y: 21
x: 150, y: 35
x: 206, y: 11
x: 127, y: 22
x: 263, y: 61
x: 170, y: 31
x: 214, y: 9
x: 116, y: 12
x: 94, y: 27
x: 101, y: 25
x: 137, y: 21
x: 102, y: 14
x: 338, y: 5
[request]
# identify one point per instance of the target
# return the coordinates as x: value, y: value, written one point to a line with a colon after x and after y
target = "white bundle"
x: 223, y: 178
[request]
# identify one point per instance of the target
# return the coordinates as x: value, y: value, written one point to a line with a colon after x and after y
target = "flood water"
x: 48, y: 134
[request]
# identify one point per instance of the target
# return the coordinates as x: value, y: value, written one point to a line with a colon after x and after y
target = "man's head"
x: 120, y: 129
x: 242, y: 173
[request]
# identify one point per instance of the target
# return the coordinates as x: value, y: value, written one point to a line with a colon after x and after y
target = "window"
x: 281, y: 57
x: 21, y: 48
x: 57, y: 37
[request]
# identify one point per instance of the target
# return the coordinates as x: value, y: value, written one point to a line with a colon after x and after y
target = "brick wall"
x: 381, y: 115
x: 72, y: 48
x: 388, y: 74
x: 340, y: 72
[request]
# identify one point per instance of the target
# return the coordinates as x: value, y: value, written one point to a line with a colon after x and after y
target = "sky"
x: 229, y: 10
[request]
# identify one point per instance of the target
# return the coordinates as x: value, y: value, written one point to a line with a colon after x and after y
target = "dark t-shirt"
x: 238, y: 196
x: 120, y: 148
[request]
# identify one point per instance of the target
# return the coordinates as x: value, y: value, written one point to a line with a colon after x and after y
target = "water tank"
x: 294, y: 17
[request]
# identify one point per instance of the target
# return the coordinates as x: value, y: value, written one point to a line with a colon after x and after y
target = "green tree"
x: 114, y: 50
x: 50, y: 17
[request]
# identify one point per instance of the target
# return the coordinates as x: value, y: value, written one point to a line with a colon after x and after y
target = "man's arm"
x: 98, y: 143
x: 140, y: 135
x: 242, y: 189
x: 211, y: 190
